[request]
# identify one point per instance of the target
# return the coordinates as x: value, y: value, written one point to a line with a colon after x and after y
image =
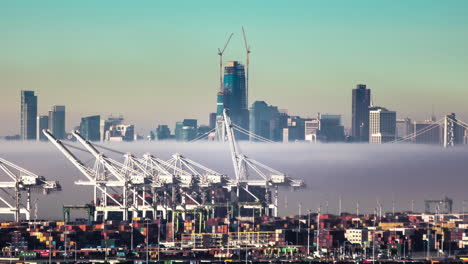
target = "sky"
x: 156, y: 62
x: 361, y: 173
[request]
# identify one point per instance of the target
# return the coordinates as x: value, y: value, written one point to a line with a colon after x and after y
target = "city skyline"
x: 414, y: 50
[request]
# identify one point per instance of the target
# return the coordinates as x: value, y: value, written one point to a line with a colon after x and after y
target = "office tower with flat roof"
x: 360, y: 113
x: 90, y: 128
x: 382, y: 125
x: 42, y: 123
x: 263, y: 120
x: 162, y: 132
x: 28, y: 115
x: 404, y: 128
x: 427, y: 132
x: 212, y: 120
x: 178, y: 130
x: 57, y: 121
x: 331, y: 129
x: 186, y: 130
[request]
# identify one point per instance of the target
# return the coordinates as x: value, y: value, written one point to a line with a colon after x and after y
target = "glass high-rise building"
x: 382, y: 125
x: 57, y: 121
x: 163, y: 132
x: 263, y: 120
x: 360, y: 113
x: 90, y: 128
x: 234, y: 96
x: 28, y: 115
x: 42, y: 123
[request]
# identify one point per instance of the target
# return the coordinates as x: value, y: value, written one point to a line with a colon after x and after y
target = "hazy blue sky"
x: 156, y: 61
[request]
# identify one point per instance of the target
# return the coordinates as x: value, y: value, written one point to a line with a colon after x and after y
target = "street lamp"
x: 50, y: 246
x: 308, y: 233
x: 147, y: 240
x: 159, y: 235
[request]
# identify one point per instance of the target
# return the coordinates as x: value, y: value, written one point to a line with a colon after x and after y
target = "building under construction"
x: 178, y: 188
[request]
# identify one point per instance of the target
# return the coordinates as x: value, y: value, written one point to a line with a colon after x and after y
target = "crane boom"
x: 247, y: 51
x: 220, y: 53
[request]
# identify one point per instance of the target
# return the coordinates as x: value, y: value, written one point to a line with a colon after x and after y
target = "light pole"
x: 147, y: 241
x: 65, y: 245
x: 308, y: 233
x: 50, y: 247
x: 131, y: 237
x: 159, y: 235
x: 318, y: 230
x: 373, y: 238
x: 75, y: 251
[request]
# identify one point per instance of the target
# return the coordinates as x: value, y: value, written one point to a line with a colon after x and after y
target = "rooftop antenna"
x: 247, y: 52
x: 220, y: 53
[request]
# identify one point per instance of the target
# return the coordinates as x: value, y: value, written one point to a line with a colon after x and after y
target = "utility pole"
x: 339, y: 205
x: 131, y: 238
x: 373, y: 237
x: 357, y: 208
x: 463, y: 209
x: 299, y: 224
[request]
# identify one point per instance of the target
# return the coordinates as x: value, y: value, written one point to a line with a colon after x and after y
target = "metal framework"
x: 23, y: 181
x: 152, y: 187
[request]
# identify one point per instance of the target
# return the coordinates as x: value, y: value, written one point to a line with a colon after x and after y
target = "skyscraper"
x: 382, y: 125
x: 90, y: 128
x: 163, y: 132
x: 234, y: 96
x: 57, y: 121
x: 42, y: 123
x: 212, y: 120
x: 331, y: 129
x: 360, y: 112
x: 432, y: 132
x: 404, y: 127
x: 28, y: 115
x: 263, y: 120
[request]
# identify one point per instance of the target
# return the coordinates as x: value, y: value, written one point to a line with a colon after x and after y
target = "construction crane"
x: 247, y: 55
x: 22, y: 181
x: 221, y: 96
x: 220, y: 53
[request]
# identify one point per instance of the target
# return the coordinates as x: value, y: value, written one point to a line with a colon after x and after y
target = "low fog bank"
x: 357, y: 172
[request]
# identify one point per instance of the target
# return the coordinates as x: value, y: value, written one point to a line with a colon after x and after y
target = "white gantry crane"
x: 132, y: 181
x: 97, y: 177
x: 22, y: 181
x: 250, y: 172
x: 149, y: 186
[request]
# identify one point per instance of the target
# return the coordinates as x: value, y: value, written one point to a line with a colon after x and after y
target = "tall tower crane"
x: 220, y: 53
x: 221, y: 99
x: 247, y: 55
x: 23, y: 181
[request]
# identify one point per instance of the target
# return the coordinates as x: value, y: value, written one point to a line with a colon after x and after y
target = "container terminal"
x: 149, y: 210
